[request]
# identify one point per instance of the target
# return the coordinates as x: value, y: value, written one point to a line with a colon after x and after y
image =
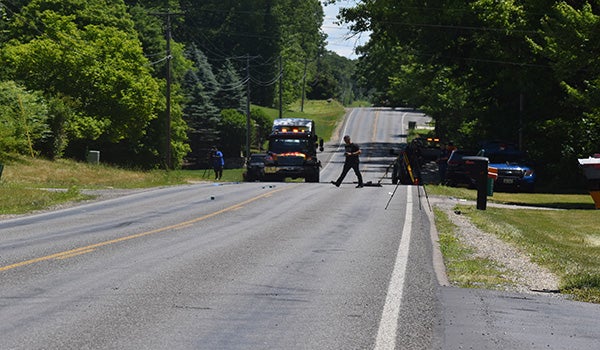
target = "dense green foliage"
x: 23, y: 115
x: 526, y: 72
x: 97, y: 71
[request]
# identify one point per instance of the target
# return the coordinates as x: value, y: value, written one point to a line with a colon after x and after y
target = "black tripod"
x: 414, y: 180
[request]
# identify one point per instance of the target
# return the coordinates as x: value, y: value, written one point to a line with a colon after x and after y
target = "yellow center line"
x: 374, y: 134
x: 90, y: 248
x: 81, y: 252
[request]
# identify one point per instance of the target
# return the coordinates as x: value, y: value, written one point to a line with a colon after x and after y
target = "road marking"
x: 373, y: 138
x: 374, y: 133
x: 73, y: 254
x: 90, y: 248
x: 386, y: 336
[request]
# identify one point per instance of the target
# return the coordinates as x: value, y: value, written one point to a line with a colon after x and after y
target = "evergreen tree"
x: 200, y: 112
x: 232, y: 90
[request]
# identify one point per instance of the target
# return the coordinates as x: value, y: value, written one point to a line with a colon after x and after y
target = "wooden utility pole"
x: 521, y: 101
x: 248, y: 106
x: 280, y: 88
x: 168, y: 58
x: 304, y: 85
x: 168, y: 160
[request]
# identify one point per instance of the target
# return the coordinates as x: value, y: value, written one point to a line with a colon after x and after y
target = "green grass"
x: 463, y: 267
x: 33, y: 184
x: 19, y: 200
x: 548, y: 200
x: 565, y: 240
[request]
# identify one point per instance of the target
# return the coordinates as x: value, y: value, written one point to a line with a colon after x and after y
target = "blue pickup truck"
x: 515, y: 172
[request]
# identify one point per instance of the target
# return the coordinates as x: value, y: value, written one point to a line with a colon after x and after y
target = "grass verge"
x: 33, y: 184
x: 463, y: 267
x: 566, y: 241
x: 544, y: 200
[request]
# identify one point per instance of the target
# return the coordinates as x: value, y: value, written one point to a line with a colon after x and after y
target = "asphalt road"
x: 261, y: 266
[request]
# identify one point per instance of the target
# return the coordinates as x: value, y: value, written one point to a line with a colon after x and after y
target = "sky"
x: 338, y: 37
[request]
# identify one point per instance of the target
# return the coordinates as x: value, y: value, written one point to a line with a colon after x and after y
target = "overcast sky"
x: 338, y: 37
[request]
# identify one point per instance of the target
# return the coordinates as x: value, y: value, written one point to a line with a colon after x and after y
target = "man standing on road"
x: 352, y: 151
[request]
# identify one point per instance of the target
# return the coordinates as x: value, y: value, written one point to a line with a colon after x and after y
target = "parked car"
x: 255, y: 167
x: 429, y: 148
x: 458, y: 173
x: 515, y: 172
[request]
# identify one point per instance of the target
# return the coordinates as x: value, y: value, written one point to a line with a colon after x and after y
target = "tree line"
x: 78, y: 75
x: 520, y: 71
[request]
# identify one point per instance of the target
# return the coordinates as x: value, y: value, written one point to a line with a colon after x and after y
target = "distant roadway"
x: 264, y: 266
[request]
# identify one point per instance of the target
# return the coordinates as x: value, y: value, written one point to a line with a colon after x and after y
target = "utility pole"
x: 521, y: 100
x: 248, y: 106
x: 168, y: 161
x: 304, y: 85
x: 280, y: 88
x: 168, y: 151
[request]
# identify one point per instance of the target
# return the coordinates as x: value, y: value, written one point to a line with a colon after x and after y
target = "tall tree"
x: 569, y: 40
x: 232, y: 89
x: 87, y: 50
x: 200, y: 112
x: 257, y: 33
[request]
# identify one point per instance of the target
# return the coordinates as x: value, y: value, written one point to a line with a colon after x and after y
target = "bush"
x: 23, y: 120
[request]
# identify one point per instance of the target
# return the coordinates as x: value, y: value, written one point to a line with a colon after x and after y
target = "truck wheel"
x: 312, y: 178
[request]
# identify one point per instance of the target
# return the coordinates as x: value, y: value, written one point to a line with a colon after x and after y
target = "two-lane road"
x: 231, y: 266
x: 243, y: 266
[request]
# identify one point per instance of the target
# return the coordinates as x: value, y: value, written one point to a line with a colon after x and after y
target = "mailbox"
x: 478, y: 169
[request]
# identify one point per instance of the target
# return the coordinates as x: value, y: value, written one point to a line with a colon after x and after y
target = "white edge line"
x: 386, y: 336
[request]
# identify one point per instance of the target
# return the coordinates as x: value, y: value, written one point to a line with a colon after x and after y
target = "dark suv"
x: 255, y: 167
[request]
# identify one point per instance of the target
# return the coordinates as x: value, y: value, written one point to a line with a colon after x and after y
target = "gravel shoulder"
x: 527, y: 276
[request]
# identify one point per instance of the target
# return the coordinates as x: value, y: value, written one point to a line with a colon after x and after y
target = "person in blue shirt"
x: 218, y: 162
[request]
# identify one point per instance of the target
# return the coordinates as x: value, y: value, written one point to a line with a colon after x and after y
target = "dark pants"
x: 218, y: 171
x: 347, y: 167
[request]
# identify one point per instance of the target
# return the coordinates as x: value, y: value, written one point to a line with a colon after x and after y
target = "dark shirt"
x: 351, y: 148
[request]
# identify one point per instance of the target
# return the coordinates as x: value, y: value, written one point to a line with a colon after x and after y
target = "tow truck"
x: 292, y: 151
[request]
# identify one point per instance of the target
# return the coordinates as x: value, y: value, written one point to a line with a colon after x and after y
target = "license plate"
x: 508, y: 181
x: 270, y: 170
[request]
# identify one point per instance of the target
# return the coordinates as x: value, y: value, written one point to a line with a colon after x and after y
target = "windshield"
x: 289, y: 145
x: 506, y: 157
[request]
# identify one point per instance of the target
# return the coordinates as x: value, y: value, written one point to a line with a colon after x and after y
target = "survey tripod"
x: 405, y: 164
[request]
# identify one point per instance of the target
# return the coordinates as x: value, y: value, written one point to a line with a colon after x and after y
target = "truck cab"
x: 292, y: 150
x: 515, y: 172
